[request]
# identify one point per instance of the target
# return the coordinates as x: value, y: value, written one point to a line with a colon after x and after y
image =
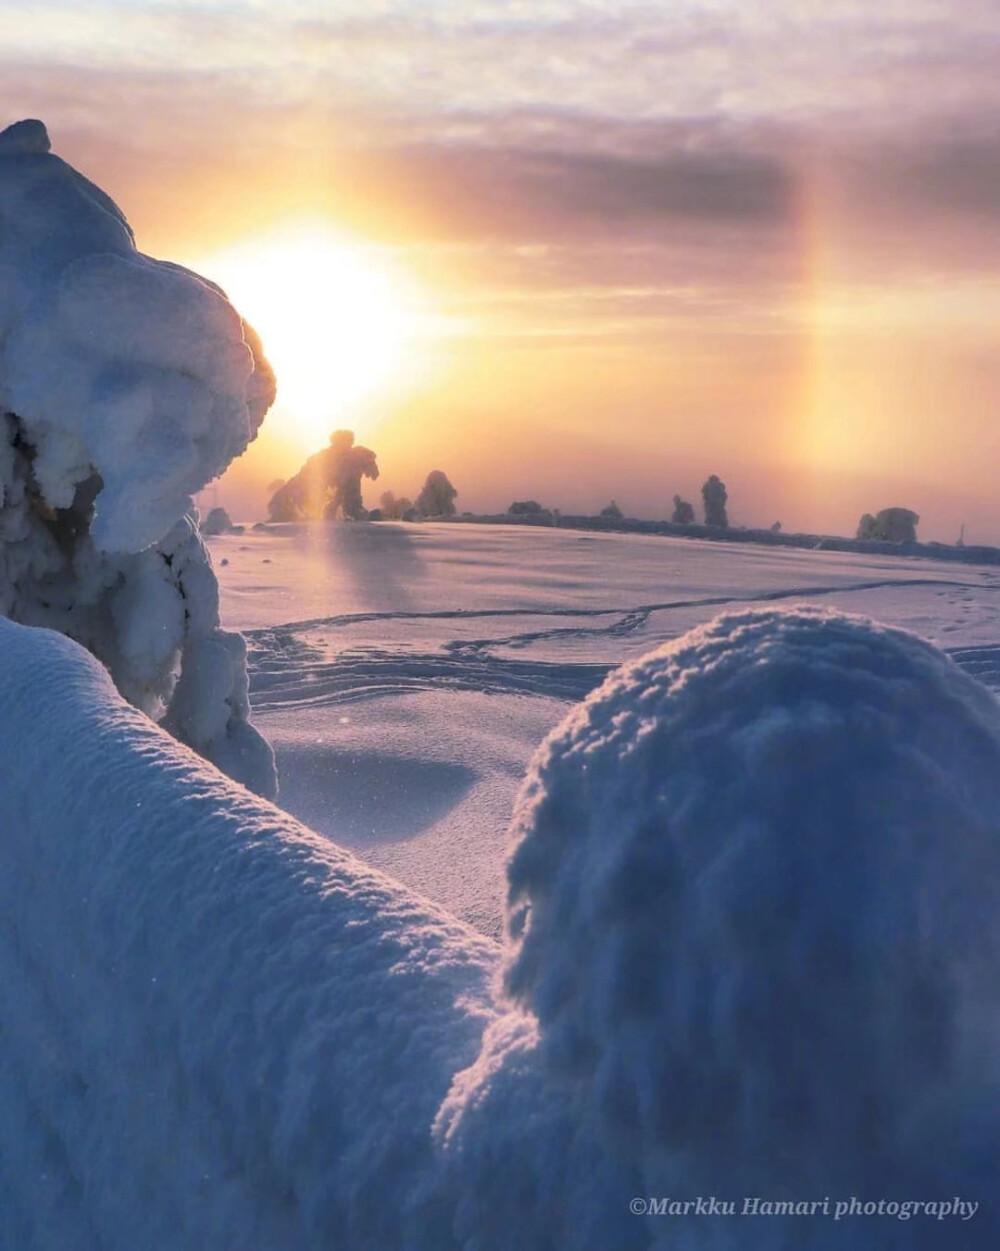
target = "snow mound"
x: 218, y: 521
x: 126, y: 384
x: 755, y: 908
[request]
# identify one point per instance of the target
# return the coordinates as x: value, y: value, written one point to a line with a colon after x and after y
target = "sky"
x: 572, y: 250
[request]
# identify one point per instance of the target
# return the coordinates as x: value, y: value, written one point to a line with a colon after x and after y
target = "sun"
x: 338, y: 319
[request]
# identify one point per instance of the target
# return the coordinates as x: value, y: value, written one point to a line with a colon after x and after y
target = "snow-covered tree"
x: 891, y: 525
x: 714, y: 495
x: 126, y: 385
x: 328, y: 484
x: 683, y: 512
x: 437, y: 496
x: 217, y: 521
x: 394, y: 507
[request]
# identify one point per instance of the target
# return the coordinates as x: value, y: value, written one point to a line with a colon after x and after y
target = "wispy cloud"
x: 868, y: 66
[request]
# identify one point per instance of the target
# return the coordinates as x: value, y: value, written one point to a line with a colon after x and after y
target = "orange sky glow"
x: 574, y: 250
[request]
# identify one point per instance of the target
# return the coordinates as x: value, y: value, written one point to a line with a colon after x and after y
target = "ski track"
x: 366, y: 673
x: 287, y: 670
x: 710, y: 601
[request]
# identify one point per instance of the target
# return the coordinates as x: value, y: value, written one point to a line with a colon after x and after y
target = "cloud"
x: 540, y: 194
x: 653, y: 166
x: 940, y: 173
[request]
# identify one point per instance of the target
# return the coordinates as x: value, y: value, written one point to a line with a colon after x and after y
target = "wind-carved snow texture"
x: 753, y: 949
x: 754, y: 908
x: 126, y: 384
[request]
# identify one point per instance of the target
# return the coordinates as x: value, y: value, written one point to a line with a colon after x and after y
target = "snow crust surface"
x: 405, y: 674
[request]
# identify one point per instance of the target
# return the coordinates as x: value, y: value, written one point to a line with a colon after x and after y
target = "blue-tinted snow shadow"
x: 362, y: 800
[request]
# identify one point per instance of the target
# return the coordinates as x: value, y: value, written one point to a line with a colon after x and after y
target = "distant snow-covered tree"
x: 217, y: 521
x: 328, y: 484
x: 714, y: 495
x: 394, y: 507
x: 525, y: 508
x: 437, y: 497
x: 612, y: 512
x: 683, y: 512
x: 891, y: 525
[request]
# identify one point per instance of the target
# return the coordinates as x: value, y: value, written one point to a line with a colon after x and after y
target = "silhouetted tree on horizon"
x: 891, y: 525
x: 612, y: 511
x: 714, y: 495
x: 437, y: 497
x: 328, y: 484
x: 525, y: 508
x: 217, y: 521
x: 393, y: 508
x: 683, y: 512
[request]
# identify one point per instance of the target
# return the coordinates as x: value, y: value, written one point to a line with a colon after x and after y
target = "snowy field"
x: 405, y: 674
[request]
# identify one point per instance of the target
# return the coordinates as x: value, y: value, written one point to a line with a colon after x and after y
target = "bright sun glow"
x: 339, y: 322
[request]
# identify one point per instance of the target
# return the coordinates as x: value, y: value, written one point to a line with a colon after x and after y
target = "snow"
x: 126, y: 384
x: 219, y: 1030
x: 405, y: 674
x: 753, y: 902
x: 148, y: 364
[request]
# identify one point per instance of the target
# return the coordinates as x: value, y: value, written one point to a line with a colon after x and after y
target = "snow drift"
x: 753, y: 949
x: 218, y: 1030
x: 755, y: 909
x: 126, y: 384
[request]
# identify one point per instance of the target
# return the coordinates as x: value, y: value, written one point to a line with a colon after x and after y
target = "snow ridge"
x: 219, y: 1030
